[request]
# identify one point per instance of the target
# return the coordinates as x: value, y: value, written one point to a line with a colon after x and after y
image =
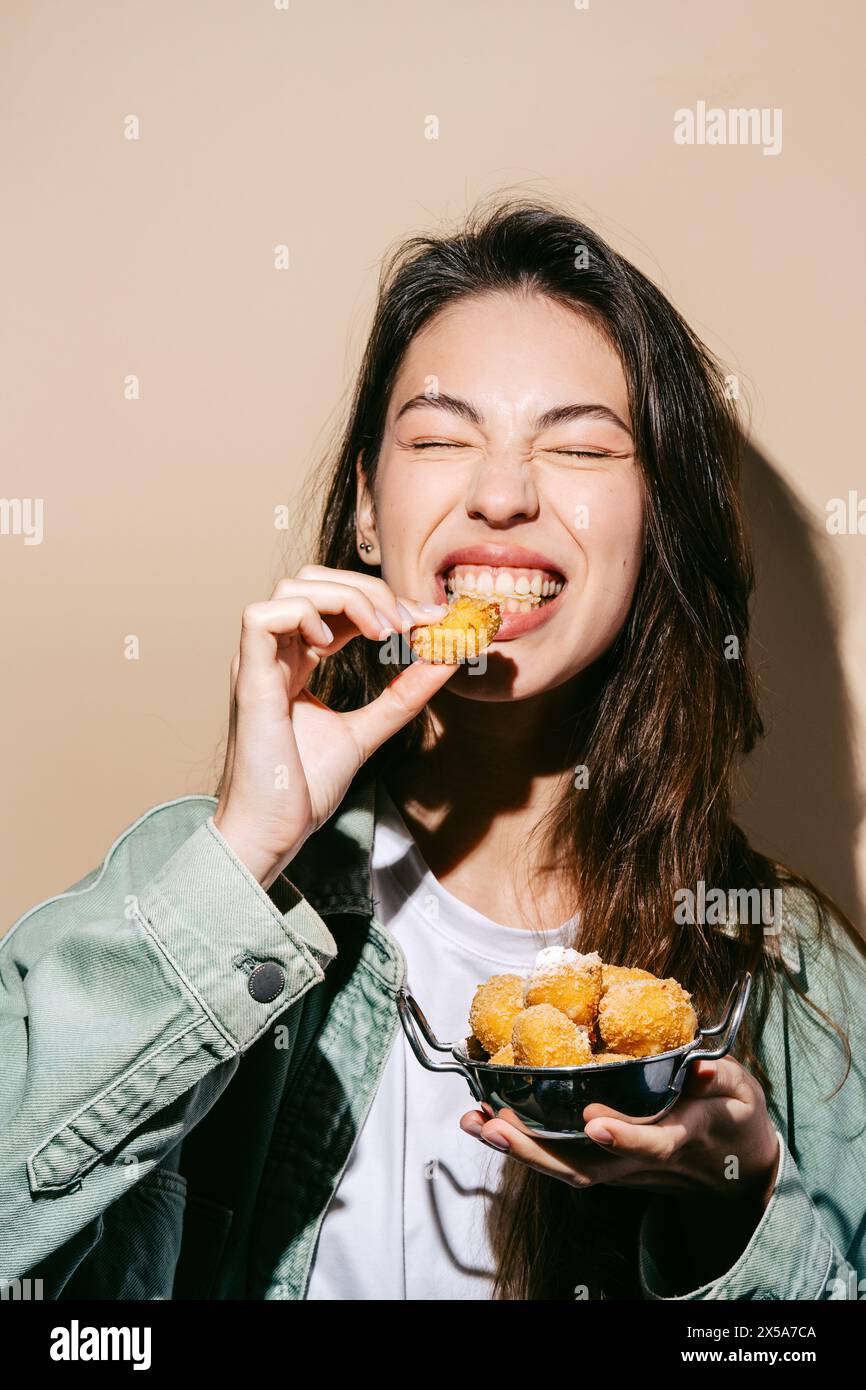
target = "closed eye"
x: 568, y: 453
x: 579, y: 454
x: 439, y: 444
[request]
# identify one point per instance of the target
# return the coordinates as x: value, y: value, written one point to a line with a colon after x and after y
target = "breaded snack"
x: 504, y: 1057
x: 614, y: 974
x: 544, y: 1037
x: 475, y: 1050
x: 613, y: 1057
x: 467, y: 628
x: 494, y: 1008
x: 571, y: 982
x: 644, y: 1017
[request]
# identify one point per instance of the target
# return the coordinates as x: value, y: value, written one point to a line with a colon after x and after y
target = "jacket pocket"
x: 157, y: 1080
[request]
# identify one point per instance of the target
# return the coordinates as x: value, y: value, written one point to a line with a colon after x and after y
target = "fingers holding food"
x: 645, y: 1017
x: 355, y: 605
x: 276, y: 722
x: 394, y: 609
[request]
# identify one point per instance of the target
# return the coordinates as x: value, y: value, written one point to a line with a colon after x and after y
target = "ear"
x: 365, y: 515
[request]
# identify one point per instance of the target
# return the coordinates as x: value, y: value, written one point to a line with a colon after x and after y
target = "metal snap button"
x: 266, y: 982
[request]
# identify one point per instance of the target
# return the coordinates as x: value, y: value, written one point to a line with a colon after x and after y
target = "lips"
x: 526, y: 584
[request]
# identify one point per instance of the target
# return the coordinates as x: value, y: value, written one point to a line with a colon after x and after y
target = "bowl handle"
x: 726, y: 1030
x: 410, y: 1015
x: 417, y: 1015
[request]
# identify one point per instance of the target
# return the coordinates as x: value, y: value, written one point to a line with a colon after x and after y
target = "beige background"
x: 306, y: 126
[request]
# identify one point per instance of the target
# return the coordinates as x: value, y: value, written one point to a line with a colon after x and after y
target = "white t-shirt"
x: 408, y: 1218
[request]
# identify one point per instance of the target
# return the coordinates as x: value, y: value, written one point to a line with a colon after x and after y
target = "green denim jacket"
x: 164, y: 1133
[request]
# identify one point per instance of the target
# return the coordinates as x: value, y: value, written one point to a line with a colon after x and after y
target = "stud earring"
x: 365, y: 546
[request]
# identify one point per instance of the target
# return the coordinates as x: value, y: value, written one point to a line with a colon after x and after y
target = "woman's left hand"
x: 717, y: 1139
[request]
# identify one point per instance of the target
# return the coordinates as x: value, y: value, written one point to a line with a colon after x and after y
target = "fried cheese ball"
x: 613, y: 1057
x: 495, y: 1006
x: 571, y: 982
x: 544, y: 1037
x: 467, y: 628
x: 504, y: 1057
x: 614, y: 974
x: 644, y: 1017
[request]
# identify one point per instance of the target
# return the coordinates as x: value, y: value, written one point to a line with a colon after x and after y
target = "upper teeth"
x: 520, y: 586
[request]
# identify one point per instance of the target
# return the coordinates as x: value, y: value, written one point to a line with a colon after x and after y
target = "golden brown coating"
x: 644, y: 1017
x: 504, y: 1057
x: 466, y: 629
x: 571, y: 982
x: 613, y: 1057
x: 615, y: 974
x: 544, y: 1037
x: 494, y: 1008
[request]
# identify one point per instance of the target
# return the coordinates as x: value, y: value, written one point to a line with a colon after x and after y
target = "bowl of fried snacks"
x: 576, y: 1031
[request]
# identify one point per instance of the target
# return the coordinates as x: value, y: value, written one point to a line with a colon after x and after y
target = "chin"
x: 503, y: 681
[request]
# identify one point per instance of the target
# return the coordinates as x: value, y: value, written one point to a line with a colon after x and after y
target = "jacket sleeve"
x: 125, y: 1006
x: 811, y: 1240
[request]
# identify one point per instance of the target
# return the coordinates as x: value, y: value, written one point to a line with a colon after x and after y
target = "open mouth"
x: 514, y: 589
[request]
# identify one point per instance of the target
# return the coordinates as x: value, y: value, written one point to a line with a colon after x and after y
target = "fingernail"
x: 385, y: 621
x: 440, y: 608
x: 496, y: 1141
x: 600, y: 1136
x: 327, y: 631
x: 405, y: 614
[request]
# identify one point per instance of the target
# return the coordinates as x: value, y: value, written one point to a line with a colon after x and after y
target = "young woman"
x: 532, y: 417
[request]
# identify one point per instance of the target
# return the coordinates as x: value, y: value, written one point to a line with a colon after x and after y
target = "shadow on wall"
x: 800, y: 801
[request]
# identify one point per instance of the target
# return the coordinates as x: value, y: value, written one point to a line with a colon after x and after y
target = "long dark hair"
x: 675, y: 707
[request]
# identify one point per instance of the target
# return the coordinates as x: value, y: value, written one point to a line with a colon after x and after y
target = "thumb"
x: 399, y: 702
x: 723, y: 1077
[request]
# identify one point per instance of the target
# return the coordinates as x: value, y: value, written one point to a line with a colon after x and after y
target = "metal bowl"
x: 550, y: 1100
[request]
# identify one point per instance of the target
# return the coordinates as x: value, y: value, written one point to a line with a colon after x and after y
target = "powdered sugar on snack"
x: 568, y: 980
x: 553, y: 959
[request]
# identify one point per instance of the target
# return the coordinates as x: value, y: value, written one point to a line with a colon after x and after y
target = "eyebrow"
x: 558, y: 415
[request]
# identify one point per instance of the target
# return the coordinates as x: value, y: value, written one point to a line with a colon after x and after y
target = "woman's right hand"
x: 290, y: 759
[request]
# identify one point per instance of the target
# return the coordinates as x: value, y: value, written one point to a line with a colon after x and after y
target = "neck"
x: 488, y: 774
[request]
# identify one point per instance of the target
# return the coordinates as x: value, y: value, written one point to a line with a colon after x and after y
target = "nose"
x: 502, y: 491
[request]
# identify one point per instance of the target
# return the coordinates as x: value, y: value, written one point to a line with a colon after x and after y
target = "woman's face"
x: 507, y: 466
